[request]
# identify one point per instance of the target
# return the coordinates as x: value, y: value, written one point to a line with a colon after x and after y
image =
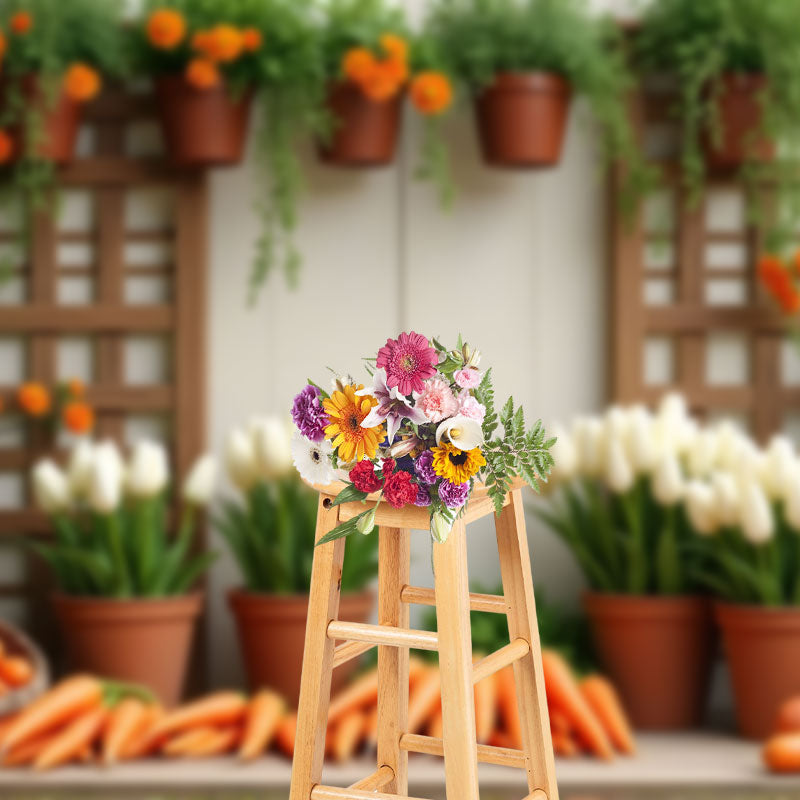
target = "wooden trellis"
x: 108, y: 175
x: 683, y: 281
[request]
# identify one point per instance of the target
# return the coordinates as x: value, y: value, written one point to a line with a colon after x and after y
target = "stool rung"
x: 504, y: 756
x: 383, y: 634
x: 348, y: 651
x: 375, y: 782
x: 537, y: 794
x: 332, y: 793
x: 492, y: 603
x: 512, y: 652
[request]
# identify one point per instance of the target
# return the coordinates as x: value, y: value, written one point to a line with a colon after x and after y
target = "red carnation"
x: 388, y: 467
x: 399, y: 490
x: 364, y: 478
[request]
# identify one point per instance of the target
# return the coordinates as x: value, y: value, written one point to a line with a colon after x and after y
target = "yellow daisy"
x: 346, y: 412
x: 457, y: 466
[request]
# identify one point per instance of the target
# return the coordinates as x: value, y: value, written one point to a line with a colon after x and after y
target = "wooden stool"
x: 392, y: 635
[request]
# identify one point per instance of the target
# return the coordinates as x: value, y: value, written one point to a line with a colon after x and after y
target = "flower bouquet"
x: 421, y: 435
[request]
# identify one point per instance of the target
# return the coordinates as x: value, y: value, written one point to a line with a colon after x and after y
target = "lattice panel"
x: 113, y: 291
x: 687, y: 309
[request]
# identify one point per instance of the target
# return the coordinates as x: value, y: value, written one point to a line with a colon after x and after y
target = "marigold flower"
x: 34, y: 399
x: 21, y: 23
x: 202, y: 74
x: 252, y: 39
x: 224, y: 43
x: 382, y: 84
x: 394, y: 46
x: 200, y: 41
x: 166, y: 28
x: 431, y: 92
x: 777, y: 279
x: 78, y: 416
x: 396, y: 68
x: 81, y: 82
x: 6, y: 147
x: 358, y: 64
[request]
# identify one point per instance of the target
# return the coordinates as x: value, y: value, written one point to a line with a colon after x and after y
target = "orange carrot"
x: 63, y: 702
x: 264, y: 714
x: 72, y: 740
x: 16, y: 671
x: 564, y: 745
x: 126, y: 721
x: 25, y: 753
x: 348, y: 735
x: 781, y: 753
x: 788, y: 718
x: 507, y: 703
x: 144, y: 743
x: 371, y: 727
x: 285, y: 736
x: 424, y: 699
x: 559, y: 722
x: 219, y: 708
x: 361, y: 693
x: 565, y: 694
x: 436, y: 724
x: 6, y: 722
x: 202, y: 742
x: 603, y: 699
x: 485, y: 707
x: 416, y: 669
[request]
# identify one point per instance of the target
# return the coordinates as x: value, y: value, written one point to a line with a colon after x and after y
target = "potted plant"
x: 270, y: 532
x: 618, y: 501
x: 62, y: 408
x: 126, y: 600
x: 521, y: 61
x: 365, y: 49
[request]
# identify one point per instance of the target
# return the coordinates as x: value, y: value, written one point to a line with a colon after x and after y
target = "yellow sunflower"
x: 346, y: 412
x: 457, y: 466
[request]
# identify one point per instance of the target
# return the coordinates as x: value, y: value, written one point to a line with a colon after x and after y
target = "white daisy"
x: 312, y: 459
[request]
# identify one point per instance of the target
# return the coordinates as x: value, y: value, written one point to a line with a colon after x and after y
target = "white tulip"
x: 730, y: 443
x: 105, y: 485
x: 240, y: 459
x: 588, y: 434
x: 700, y: 507
x: 791, y: 498
x: 702, y: 454
x: 641, y: 441
x: 726, y: 497
x: 615, y: 423
x: 564, y: 454
x: 199, y: 484
x: 755, y: 514
x: 148, y: 469
x: 51, y: 488
x: 778, y: 466
x: 618, y: 472
x: 79, y: 469
x: 463, y: 432
x: 272, y: 445
x: 668, y: 484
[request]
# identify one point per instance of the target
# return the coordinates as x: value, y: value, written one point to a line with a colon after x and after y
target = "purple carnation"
x: 423, y: 498
x: 454, y: 495
x: 423, y: 466
x: 309, y: 415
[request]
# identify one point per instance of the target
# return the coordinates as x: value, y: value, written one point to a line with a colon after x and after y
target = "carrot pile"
x: 781, y: 751
x: 16, y: 671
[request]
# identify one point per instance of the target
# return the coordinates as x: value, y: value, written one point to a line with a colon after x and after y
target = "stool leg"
x: 455, y: 663
x: 393, y: 574
x: 315, y: 683
x: 515, y: 567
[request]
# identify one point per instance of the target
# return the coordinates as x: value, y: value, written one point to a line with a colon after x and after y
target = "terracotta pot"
x: 60, y: 119
x: 762, y: 646
x: 658, y: 651
x: 272, y: 630
x: 739, y: 116
x: 522, y: 117
x: 202, y: 127
x: 364, y: 131
x: 143, y: 641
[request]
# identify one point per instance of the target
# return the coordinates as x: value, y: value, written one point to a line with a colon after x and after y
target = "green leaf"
x: 349, y: 495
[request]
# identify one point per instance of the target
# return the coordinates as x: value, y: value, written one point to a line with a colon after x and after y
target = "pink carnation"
x: 469, y: 407
x: 437, y: 400
x: 467, y: 378
x: 408, y: 361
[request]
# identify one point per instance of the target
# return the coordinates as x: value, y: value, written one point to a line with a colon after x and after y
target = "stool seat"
x: 452, y: 640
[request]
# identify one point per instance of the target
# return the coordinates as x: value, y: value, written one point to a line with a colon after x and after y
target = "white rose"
x: 199, y: 484
x: 148, y: 469
x: 50, y: 487
x: 240, y: 459
x: 107, y: 478
x: 272, y: 444
x: 668, y: 484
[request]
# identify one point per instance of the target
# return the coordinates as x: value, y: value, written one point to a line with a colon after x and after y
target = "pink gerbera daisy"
x: 408, y: 361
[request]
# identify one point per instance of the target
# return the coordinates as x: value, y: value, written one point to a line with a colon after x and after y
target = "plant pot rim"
x: 642, y: 605
x: 533, y: 79
x: 178, y: 80
x: 87, y: 607
x: 749, y: 615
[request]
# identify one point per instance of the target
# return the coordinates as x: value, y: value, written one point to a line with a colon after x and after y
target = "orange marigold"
x: 382, y: 84
x: 78, y: 416
x: 21, y: 23
x: 431, y: 92
x: 394, y: 46
x: 252, y: 39
x: 202, y: 74
x: 6, y: 147
x: 166, y: 28
x: 34, y: 399
x: 358, y: 64
x: 82, y: 82
x: 224, y: 43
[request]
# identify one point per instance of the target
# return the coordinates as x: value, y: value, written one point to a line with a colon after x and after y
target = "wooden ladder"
x: 393, y: 637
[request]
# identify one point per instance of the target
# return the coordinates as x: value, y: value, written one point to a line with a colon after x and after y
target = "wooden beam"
x: 383, y: 635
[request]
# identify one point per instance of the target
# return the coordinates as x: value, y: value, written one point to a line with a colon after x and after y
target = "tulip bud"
x: 791, y: 501
x: 148, y: 470
x: 199, y: 484
x: 700, y: 507
x: 50, y: 487
x: 730, y: 442
x: 105, y: 485
x: 778, y: 466
x: 240, y: 459
x: 272, y: 445
x: 366, y: 523
x: 440, y: 527
x: 589, y: 437
x: 618, y: 473
x: 641, y: 442
x: 702, y: 454
x: 726, y: 497
x: 79, y: 470
x: 755, y: 514
x: 667, y: 482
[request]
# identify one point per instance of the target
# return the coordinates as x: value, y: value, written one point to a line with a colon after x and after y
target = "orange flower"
x: 34, y: 399
x: 3, y: 44
x: 224, y: 43
x: 75, y: 388
x: 252, y: 39
x: 166, y: 28
x: 382, y: 84
x: 6, y: 147
x: 78, y: 417
x: 394, y: 46
x: 21, y: 23
x: 431, y: 92
x: 202, y: 74
x: 777, y: 279
x: 358, y: 64
x: 82, y: 82
x: 200, y: 41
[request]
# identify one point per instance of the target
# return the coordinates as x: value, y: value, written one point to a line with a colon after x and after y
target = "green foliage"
x: 124, y: 554
x: 271, y: 537
x: 626, y: 543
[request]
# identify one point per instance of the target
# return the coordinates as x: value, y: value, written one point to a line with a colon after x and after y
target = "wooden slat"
x: 118, y: 170
x: 376, y: 782
x: 46, y: 319
x: 383, y: 635
x: 429, y: 745
x: 512, y: 652
x: 320, y: 792
x: 348, y: 651
x: 490, y: 603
